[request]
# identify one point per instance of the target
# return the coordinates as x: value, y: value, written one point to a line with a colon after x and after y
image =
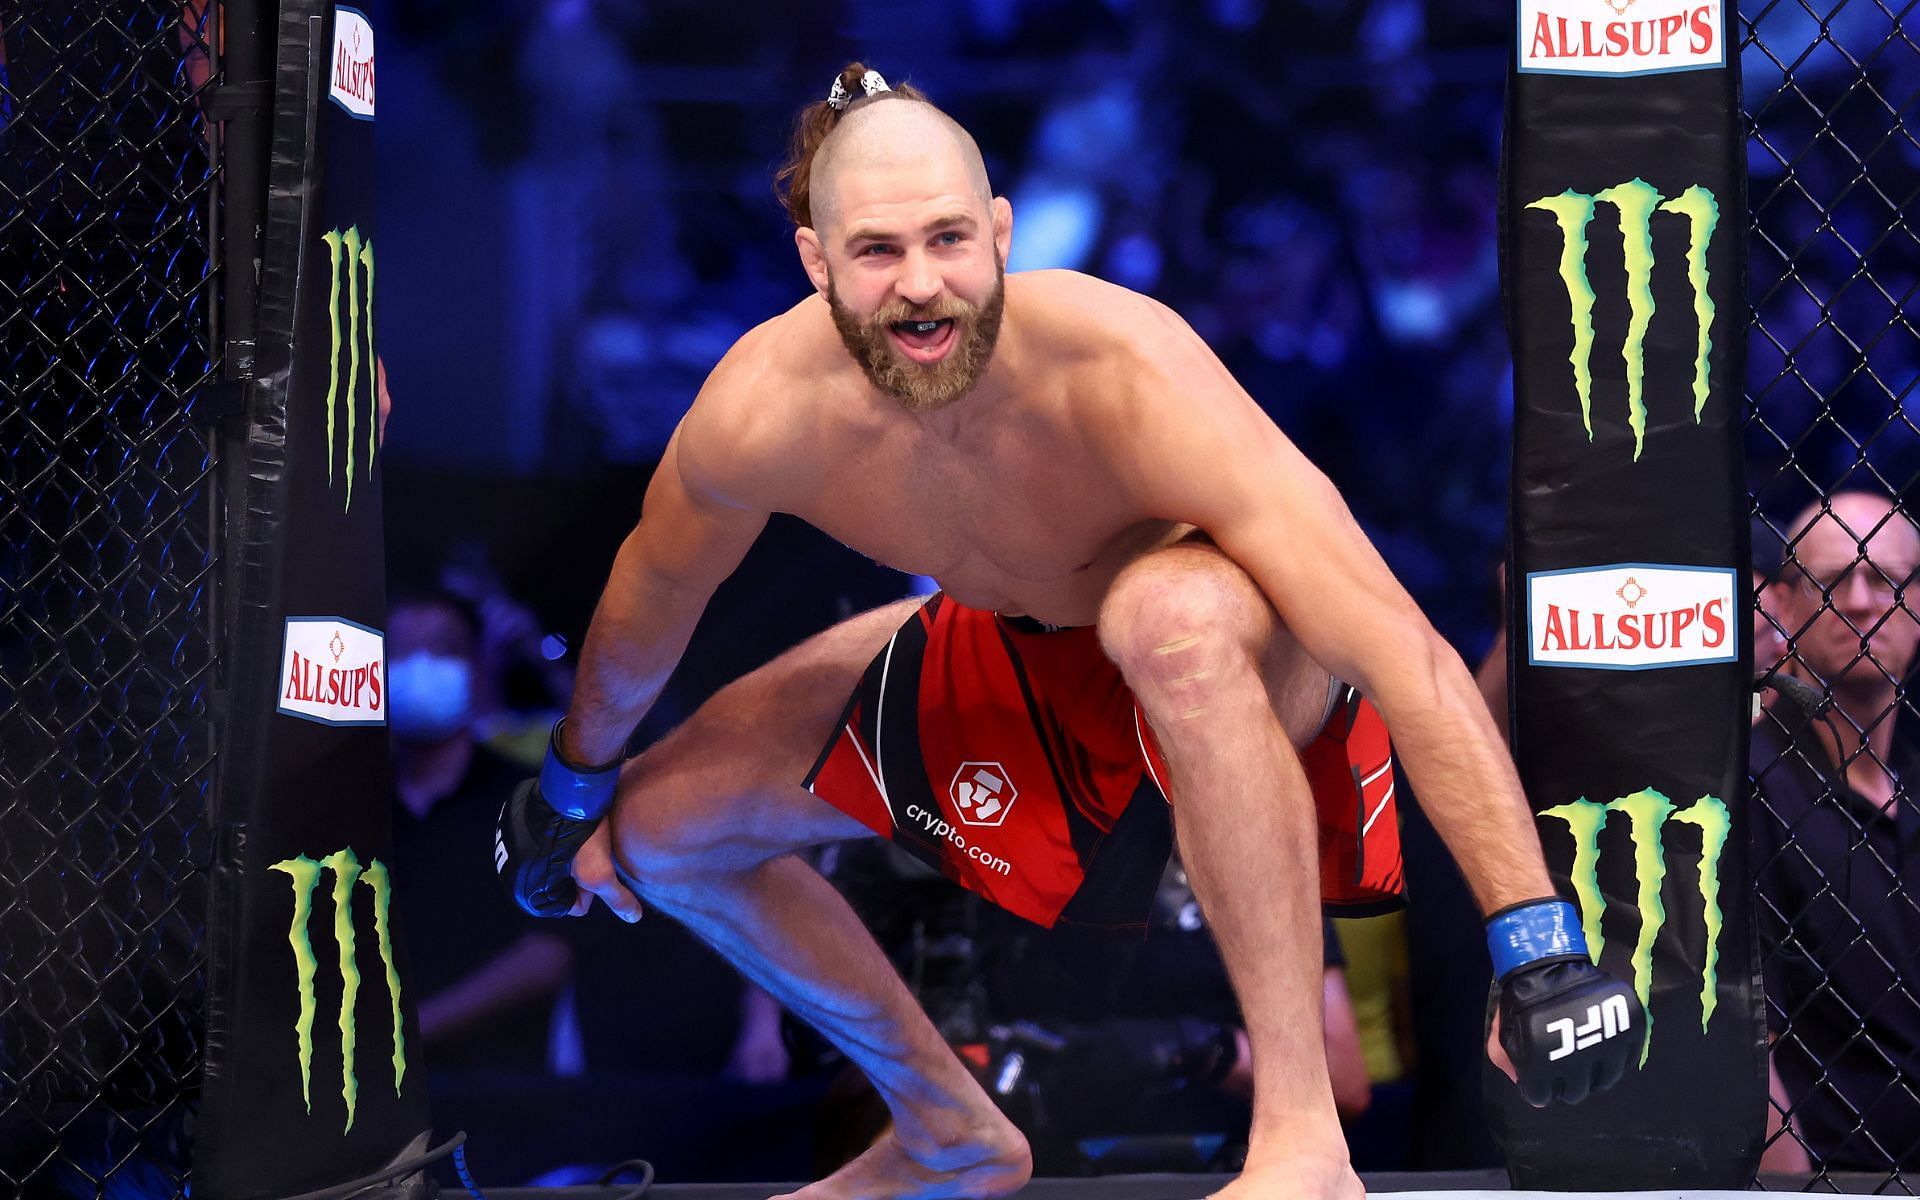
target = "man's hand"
x: 1568, y: 1028
x: 532, y: 846
x: 593, y: 871
x: 1564, y: 1027
x: 543, y: 825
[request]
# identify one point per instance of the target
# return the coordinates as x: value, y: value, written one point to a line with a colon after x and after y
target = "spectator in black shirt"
x: 1836, y: 838
x: 486, y: 977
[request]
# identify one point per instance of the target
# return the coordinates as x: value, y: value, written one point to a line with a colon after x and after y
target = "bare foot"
x: 995, y: 1163
x: 1295, y: 1181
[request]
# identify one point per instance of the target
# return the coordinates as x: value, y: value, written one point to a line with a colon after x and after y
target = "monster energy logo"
x: 1648, y: 814
x: 350, y: 253
x: 346, y: 869
x: 1634, y: 203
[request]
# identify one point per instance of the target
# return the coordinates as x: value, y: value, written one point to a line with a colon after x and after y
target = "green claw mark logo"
x: 1635, y: 203
x: 350, y: 253
x: 1648, y: 813
x: 305, y: 873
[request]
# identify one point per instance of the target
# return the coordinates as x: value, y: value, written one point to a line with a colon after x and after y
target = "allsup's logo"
x: 1649, y: 815
x: 350, y: 81
x: 1620, y: 37
x: 1632, y: 617
x: 1634, y: 203
x: 350, y: 264
x: 346, y: 870
x: 333, y: 671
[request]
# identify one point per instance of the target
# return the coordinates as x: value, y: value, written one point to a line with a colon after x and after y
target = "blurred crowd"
x: 577, y: 196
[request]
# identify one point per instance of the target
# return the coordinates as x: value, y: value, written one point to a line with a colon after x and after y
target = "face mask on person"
x: 431, y: 696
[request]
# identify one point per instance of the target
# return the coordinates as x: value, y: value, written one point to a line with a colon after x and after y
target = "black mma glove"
x: 544, y: 824
x: 1569, y: 1027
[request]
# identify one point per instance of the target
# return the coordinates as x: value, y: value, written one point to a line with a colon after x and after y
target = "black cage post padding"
x: 1623, y: 214
x: 313, y: 1071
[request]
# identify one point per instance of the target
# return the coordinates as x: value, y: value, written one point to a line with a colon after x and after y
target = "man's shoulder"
x: 1783, y: 742
x: 1063, y: 282
x: 1083, y: 312
x: 1115, y: 348
x: 1793, y: 769
x: 767, y: 366
x: 759, y: 406
x: 1135, y: 373
x: 1060, y: 282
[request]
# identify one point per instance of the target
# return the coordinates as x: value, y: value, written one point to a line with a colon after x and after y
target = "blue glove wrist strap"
x: 578, y: 795
x: 1529, y: 932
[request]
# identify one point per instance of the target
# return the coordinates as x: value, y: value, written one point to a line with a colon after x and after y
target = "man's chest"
x: 1031, y: 528
x: 1004, y: 518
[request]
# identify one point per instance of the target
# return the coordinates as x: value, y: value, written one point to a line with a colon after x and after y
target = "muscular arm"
x: 1192, y: 446
x: 691, y: 535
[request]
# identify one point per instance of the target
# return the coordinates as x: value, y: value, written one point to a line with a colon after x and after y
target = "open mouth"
x: 923, y: 341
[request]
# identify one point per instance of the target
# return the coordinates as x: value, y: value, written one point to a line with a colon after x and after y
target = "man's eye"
x: 877, y: 248
x: 950, y: 239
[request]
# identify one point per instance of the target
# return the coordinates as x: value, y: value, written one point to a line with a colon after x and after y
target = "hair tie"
x: 872, y: 83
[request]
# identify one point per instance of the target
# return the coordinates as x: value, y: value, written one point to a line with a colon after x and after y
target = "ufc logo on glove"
x: 1609, y: 1018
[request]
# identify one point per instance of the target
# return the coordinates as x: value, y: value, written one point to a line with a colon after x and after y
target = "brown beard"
x: 924, y: 387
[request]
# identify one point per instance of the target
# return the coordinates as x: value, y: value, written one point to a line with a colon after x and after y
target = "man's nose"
x: 919, y: 280
x: 1856, y: 593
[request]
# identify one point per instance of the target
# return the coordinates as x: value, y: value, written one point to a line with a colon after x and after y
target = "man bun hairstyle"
x: 793, y: 181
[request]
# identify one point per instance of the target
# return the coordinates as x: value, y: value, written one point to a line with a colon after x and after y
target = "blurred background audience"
x: 578, y: 215
x: 486, y: 974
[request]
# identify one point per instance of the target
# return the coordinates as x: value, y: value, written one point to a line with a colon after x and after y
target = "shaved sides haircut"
x: 887, y: 127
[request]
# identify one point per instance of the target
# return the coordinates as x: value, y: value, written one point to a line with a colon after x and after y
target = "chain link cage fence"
x: 108, y: 536
x: 1834, y: 466
x: 109, y: 525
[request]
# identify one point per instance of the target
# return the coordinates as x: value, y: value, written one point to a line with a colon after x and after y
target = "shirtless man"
x: 1051, y: 449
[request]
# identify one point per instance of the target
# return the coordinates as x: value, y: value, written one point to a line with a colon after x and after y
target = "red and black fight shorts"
x: 1010, y: 755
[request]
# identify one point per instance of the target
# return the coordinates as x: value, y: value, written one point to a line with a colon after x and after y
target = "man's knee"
x: 662, y: 844
x: 1183, y: 625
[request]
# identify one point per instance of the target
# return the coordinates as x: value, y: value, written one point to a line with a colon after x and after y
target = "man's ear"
x: 1002, y: 225
x: 813, y: 257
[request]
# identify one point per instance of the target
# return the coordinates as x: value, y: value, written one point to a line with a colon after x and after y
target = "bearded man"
x: 1147, y: 593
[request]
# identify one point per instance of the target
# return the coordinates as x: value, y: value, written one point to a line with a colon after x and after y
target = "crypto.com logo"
x: 982, y: 794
